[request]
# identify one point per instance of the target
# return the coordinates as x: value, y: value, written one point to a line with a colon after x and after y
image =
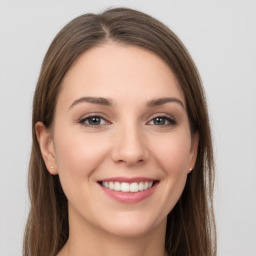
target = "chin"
x: 128, y: 231
x: 129, y: 225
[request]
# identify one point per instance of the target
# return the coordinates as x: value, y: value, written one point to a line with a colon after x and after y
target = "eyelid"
x: 91, y: 114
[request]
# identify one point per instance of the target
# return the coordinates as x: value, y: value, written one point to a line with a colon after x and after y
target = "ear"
x: 193, y: 151
x: 45, y: 141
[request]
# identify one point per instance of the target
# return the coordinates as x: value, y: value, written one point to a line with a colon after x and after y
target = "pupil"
x: 159, y: 120
x: 94, y: 120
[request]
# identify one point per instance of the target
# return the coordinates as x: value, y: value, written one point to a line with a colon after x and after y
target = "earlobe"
x: 193, y: 151
x: 45, y: 141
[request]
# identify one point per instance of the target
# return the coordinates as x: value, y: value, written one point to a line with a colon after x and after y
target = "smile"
x: 127, y: 190
x: 127, y: 187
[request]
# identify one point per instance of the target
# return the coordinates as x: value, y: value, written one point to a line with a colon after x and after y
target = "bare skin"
x: 116, y: 245
x: 121, y: 114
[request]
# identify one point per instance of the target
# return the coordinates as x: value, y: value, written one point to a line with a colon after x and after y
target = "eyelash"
x: 90, y: 118
x: 168, y: 121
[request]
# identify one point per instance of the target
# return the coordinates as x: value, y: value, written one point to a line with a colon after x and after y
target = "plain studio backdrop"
x: 221, y: 37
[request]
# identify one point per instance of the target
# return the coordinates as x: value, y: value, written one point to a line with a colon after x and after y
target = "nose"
x: 129, y: 146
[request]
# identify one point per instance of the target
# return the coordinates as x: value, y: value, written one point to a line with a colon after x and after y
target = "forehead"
x: 119, y: 71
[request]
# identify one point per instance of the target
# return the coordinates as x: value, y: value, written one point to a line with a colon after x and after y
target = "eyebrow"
x: 161, y: 101
x: 108, y: 102
x: 94, y: 100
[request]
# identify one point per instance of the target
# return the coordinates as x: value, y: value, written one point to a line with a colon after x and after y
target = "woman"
x: 122, y: 160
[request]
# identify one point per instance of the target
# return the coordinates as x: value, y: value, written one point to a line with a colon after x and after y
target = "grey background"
x: 221, y: 37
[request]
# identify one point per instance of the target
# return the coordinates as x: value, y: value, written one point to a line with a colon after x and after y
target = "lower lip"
x: 129, y: 197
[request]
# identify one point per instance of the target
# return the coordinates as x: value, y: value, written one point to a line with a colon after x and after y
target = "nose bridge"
x: 130, y: 144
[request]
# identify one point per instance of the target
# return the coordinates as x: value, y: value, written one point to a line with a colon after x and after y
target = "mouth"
x: 129, y: 190
x: 128, y: 187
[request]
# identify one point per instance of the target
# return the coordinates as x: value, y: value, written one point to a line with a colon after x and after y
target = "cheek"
x: 173, y: 153
x: 173, y: 158
x: 78, y: 155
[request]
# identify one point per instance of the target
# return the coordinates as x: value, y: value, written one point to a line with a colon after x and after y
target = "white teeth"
x: 117, y: 186
x: 134, y: 187
x: 126, y: 187
x: 105, y: 184
x: 141, y: 186
x: 110, y: 185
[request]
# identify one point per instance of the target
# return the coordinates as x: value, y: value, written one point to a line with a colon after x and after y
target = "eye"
x: 93, y: 121
x: 162, y: 120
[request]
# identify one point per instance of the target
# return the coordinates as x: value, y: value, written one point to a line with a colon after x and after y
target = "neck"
x: 87, y: 239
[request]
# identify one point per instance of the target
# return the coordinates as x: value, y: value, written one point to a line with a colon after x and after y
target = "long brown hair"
x: 190, y: 225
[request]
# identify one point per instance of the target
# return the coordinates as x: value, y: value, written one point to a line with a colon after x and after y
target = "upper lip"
x: 128, y: 179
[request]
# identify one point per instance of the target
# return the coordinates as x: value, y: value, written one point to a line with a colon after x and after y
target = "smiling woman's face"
x: 120, y: 124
